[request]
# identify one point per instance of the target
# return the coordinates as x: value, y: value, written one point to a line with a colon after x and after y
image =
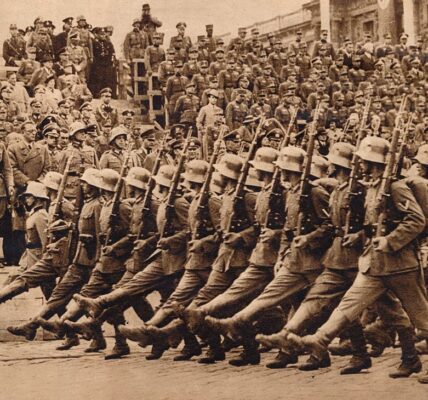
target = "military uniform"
x: 187, y: 107
x: 235, y: 114
x: 14, y: 49
x: 135, y: 44
x: 79, y: 59
x: 175, y: 88
x: 112, y: 159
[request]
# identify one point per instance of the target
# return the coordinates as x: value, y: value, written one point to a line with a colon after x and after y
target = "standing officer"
x: 105, y: 111
x: 114, y: 158
x: 175, y: 88
x: 14, y: 47
x: 135, y: 43
x: 154, y: 55
x: 78, y: 56
x: 236, y: 111
x: 186, y: 42
x: 149, y: 23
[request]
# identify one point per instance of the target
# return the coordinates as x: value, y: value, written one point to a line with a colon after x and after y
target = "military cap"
x: 270, y: 35
x: 35, y: 189
x: 6, y: 87
x: 404, y: 36
x: 359, y: 93
x: 46, y: 58
x: 29, y: 29
x: 49, y: 24
x: 275, y: 134
x: 73, y: 35
x: 291, y: 158
x: 387, y: 35
x: 36, y: 103
x: 242, y: 30
x: 97, y: 29
x: 106, y: 90
x: 379, y: 62
x: 52, y: 180
x: 219, y: 50
x: 85, y: 105
x: 196, y: 171
x: 138, y: 177
x: 316, y: 60
x: 347, y: 40
x: 220, y: 41
x: 193, y: 49
x: 183, y: 24
x: 368, y: 35
x: 170, y: 51
x: 232, y: 135
x: 38, y: 20
x: 146, y: 6
x: 264, y: 159
x: 21, y: 31
x: 376, y: 99
x: 230, y: 166
x: 13, y: 26
x: 213, y: 92
x: 63, y: 50
x: 128, y: 113
x: 165, y: 175
x: 422, y: 155
x: 109, y: 178
x: 62, y: 102
x: 203, y: 64
x: 47, y: 120
x: 389, y: 50
x: 115, y: 133
x: 194, y: 142
x: 80, y: 18
x: 108, y: 28
x: 51, y: 129
x: 190, y: 84
x: 374, y: 149
x: 278, y: 41
x: 68, y: 20
x: 178, y: 64
x: 177, y: 126
x: 136, y: 21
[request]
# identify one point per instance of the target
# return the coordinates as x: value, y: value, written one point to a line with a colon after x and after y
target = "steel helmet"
x: 374, y: 149
x: 264, y: 159
x: 165, y: 175
x: 77, y: 127
x: 230, y: 166
x: 196, y: 171
x: 422, y: 156
x: 319, y: 167
x: 291, y: 158
x: 36, y: 189
x: 92, y: 177
x: 116, y: 132
x: 138, y: 177
x: 341, y: 154
x: 109, y: 178
x: 52, y: 180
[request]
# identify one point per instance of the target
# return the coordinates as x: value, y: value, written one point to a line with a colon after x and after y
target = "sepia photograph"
x: 214, y: 199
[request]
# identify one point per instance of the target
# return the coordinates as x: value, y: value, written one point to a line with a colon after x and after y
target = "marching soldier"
x: 114, y: 158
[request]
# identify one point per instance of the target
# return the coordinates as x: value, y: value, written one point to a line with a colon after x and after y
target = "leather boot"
x: 70, y: 341
x: 250, y: 355
x: 98, y: 342
x: 88, y: 329
x: 378, y: 337
x: 282, y: 360
x: 90, y: 306
x: 12, y: 289
x: 343, y: 348
x: 360, y: 359
x: 194, y: 319
x: 157, y: 351
x: 172, y: 332
x: 212, y: 355
x: 191, y: 348
x: 120, y: 348
x: 315, y: 362
x: 410, y: 362
x: 136, y: 334
x: 231, y: 327
x: 27, y: 330
x: 276, y: 341
x: 56, y: 327
x: 142, y: 308
x: 229, y: 344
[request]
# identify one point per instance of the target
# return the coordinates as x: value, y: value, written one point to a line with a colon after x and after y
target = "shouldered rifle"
x: 61, y: 189
x: 142, y: 232
x: 114, y: 214
x: 168, y: 228
x: 273, y: 218
x: 305, y: 186
x: 402, y: 149
x: 239, y: 220
x: 354, y: 175
x: 388, y: 175
x: 202, y: 207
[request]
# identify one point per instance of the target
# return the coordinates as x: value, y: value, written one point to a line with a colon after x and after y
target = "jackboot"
x: 27, y: 330
x: 191, y: 348
x: 56, y: 327
x: 11, y: 290
x: 157, y: 351
x: 139, y: 334
x: 120, y: 349
x: 282, y: 360
x: 378, y: 337
x: 410, y: 361
x: 250, y: 355
x: 360, y: 359
x: 315, y: 361
x: 70, y: 341
x: 232, y: 327
x: 172, y: 332
x: 98, y: 341
x: 343, y: 348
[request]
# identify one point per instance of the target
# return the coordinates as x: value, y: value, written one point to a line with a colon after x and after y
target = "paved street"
x: 36, y: 371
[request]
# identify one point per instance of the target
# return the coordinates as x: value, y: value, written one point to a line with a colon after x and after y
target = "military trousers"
x: 217, y: 283
x: 71, y: 283
x: 100, y: 283
x: 188, y: 287
x: 283, y: 287
x: 149, y: 279
x: 41, y: 273
x: 326, y: 293
x: 409, y: 288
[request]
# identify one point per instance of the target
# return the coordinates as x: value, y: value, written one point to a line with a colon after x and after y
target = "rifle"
x: 61, y: 189
x: 402, y: 148
x: 142, y: 233
x: 287, y: 133
x: 237, y: 222
x: 202, y: 207
x: 114, y: 214
x: 305, y: 187
x: 388, y: 174
x: 353, y: 177
x: 168, y: 228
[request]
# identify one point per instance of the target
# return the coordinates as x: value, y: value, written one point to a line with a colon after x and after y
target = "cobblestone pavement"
x: 36, y: 371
